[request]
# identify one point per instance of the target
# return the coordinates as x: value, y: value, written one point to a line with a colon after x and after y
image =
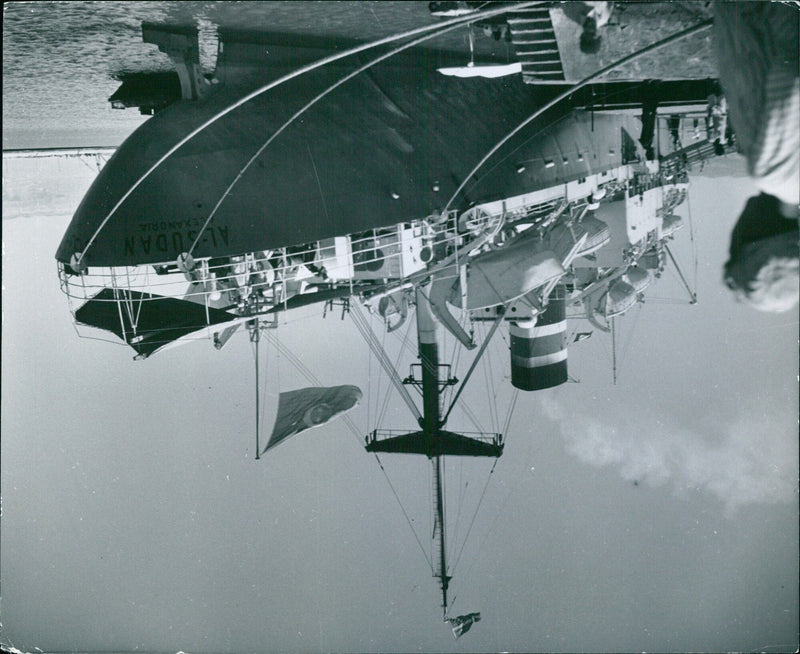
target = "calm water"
x: 61, y: 60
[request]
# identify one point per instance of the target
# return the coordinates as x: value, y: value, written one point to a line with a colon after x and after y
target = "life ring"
x: 392, y: 305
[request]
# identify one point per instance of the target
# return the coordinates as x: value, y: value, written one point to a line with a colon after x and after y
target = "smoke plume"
x: 751, y: 459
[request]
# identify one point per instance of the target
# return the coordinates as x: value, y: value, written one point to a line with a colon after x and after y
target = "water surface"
x: 62, y: 60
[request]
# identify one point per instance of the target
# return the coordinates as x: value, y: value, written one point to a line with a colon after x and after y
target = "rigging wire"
x: 664, y: 300
x: 405, y: 339
x: 455, y: 358
x: 455, y: 361
x: 259, y: 414
x: 385, y: 406
x: 365, y: 329
x: 499, y: 513
x: 254, y: 346
x: 478, y: 357
x: 443, y: 486
x: 378, y: 389
x: 492, y: 394
x: 474, y: 516
x: 604, y: 346
x: 404, y: 344
x: 294, y: 359
x: 434, y: 28
x: 467, y: 574
x: 692, y: 294
x: 369, y: 336
x: 506, y: 426
x: 460, y: 503
x: 468, y: 412
x: 403, y: 509
x: 507, y: 423
x: 310, y: 377
x: 472, y: 417
x: 614, y: 349
x: 691, y: 239
x: 396, y: 365
x: 431, y: 516
x: 631, y: 333
x: 264, y: 390
x: 369, y: 389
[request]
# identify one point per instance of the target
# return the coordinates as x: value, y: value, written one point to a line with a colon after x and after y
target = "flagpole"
x: 614, y: 351
x: 256, y: 335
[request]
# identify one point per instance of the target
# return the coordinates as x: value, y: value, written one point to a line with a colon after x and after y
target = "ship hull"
x: 391, y: 145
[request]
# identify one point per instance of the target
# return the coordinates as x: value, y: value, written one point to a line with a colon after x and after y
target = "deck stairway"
x: 534, y: 40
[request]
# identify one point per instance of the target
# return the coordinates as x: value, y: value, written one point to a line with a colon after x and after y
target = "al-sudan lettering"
x: 174, y: 242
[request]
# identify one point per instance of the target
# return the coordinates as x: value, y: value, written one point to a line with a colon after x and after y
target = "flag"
x: 310, y: 407
x: 463, y: 623
x: 581, y: 336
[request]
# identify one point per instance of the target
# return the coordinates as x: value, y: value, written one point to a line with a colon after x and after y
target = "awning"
x: 158, y: 320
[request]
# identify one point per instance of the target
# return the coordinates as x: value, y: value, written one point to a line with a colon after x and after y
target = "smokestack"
x: 539, y: 352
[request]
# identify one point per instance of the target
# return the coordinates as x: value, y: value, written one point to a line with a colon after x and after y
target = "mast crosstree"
x: 432, y: 439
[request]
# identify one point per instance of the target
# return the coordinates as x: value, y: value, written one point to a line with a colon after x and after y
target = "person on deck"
x: 717, y: 122
x: 592, y: 16
x: 759, y: 70
x: 599, y: 13
x: 674, y: 126
x: 649, y: 115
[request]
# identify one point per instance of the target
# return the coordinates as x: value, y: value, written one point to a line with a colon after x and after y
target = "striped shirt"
x: 757, y: 51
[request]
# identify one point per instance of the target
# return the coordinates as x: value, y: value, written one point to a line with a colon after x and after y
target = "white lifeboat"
x: 638, y: 278
x: 620, y: 297
x: 671, y: 224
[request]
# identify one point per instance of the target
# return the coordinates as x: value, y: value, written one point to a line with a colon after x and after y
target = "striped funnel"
x: 539, y: 352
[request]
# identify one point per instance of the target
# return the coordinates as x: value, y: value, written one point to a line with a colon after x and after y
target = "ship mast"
x: 432, y: 440
x: 430, y: 423
x: 255, y: 337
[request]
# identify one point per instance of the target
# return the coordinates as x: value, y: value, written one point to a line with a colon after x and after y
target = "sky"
x: 660, y: 514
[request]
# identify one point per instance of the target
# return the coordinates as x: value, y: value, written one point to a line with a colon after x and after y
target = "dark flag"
x: 463, y: 623
x: 310, y: 407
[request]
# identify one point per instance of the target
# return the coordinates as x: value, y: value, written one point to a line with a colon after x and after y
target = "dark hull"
x: 389, y: 146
